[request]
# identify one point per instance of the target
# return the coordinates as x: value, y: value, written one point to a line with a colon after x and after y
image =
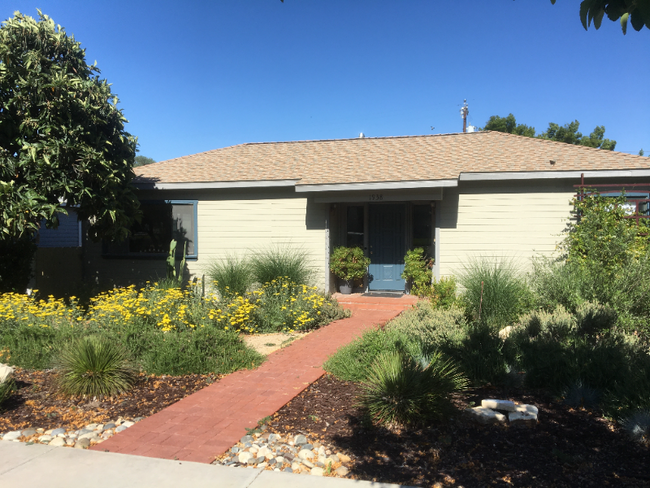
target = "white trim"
x: 207, y: 185
x: 384, y: 185
x: 379, y: 196
x: 542, y: 175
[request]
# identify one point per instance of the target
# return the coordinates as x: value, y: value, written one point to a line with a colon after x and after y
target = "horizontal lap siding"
x: 241, y: 227
x: 495, y: 220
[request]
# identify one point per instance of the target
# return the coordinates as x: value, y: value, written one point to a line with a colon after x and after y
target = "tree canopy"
x: 567, y: 133
x: 62, y: 137
x: 143, y: 160
x: 637, y: 12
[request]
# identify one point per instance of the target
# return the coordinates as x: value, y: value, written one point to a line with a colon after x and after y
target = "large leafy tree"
x: 62, y: 137
x: 567, y: 133
x: 637, y: 12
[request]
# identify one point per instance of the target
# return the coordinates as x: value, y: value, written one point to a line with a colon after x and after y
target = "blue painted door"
x: 386, y: 240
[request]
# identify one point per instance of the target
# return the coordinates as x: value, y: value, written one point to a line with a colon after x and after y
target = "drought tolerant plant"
x: 94, y: 366
x: 281, y: 262
x: 352, y: 362
x: 495, y: 292
x: 637, y: 425
x: 349, y: 263
x: 417, y: 272
x: 7, y: 388
x: 431, y: 326
x: 405, y: 390
x: 443, y: 292
x: 231, y: 276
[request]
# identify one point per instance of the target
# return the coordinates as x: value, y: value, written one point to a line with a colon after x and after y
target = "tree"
x: 636, y: 11
x: 143, y: 160
x: 567, y: 133
x: 62, y: 137
x: 508, y: 124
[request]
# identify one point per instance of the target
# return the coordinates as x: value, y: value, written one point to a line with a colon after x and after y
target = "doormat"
x: 384, y: 294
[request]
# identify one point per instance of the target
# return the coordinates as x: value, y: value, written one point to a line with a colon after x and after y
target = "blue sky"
x: 198, y: 75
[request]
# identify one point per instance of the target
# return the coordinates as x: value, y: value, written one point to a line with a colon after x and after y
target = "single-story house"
x: 457, y: 195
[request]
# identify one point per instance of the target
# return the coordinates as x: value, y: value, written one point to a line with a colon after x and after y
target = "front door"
x: 387, y: 247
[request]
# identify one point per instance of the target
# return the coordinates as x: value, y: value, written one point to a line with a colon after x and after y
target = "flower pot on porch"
x: 346, y: 287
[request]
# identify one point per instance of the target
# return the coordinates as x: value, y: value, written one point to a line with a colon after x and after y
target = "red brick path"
x: 207, y: 423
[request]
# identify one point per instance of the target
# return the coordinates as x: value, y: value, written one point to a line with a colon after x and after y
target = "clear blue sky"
x: 198, y: 75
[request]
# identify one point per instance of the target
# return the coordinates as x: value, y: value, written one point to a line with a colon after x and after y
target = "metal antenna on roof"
x: 464, y: 112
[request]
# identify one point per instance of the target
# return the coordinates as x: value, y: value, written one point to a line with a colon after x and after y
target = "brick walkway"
x: 207, y: 423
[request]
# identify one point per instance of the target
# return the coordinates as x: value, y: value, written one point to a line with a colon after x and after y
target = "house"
x: 457, y: 195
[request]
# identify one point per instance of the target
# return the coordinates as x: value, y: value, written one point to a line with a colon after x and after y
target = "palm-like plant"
x: 95, y: 367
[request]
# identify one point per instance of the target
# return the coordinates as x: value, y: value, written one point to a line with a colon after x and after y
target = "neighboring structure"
x: 458, y: 195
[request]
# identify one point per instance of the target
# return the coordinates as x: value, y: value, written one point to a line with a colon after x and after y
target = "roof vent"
x: 361, y: 135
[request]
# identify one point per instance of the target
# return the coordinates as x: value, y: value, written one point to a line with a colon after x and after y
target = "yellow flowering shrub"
x: 20, y: 309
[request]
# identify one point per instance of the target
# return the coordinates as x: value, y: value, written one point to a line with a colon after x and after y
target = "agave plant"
x: 637, y: 426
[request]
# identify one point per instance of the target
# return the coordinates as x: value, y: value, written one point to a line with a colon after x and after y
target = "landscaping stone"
x: 485, y: 415
x: 342, y: 471
x: 45, y: 439
x: 56, y: 432
x: 57, y: 442
x: 316, y: 471
x: 493, y: 404
x: 529, y: 409
x: 306, y: 454
x: 244, y: 457
x: 299, y: 440
x: 6, y: 372
x: 82, y: 444
x: 10, y: 436
x: 522, y: 418
x: 246, y: 438
x: 29, y: 432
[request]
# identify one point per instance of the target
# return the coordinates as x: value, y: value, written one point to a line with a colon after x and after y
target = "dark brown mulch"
x: 37, y: 403
x: 568, y: 447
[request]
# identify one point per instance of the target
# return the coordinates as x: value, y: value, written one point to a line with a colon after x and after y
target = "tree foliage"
x: 62, y: 137
x: 143, y: 160
x: 509, y: 124
x: 637, y: 12
x: 567, y: 133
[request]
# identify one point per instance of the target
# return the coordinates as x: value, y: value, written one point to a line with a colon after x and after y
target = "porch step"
x: 358, y: 301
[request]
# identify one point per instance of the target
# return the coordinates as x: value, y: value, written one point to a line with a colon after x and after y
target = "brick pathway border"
x: 207, y: 423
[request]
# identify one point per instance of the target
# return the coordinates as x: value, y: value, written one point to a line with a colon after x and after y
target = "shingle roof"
x: 385, y: 159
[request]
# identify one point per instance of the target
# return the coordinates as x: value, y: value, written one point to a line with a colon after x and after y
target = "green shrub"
x: 443, y: 292
x: 94, y: 366
x: 349, y: 263
x: 558, y: 351
x: 479, y: 354
x: 232, y: 276
x: 431, y: 326
x: 495, y: 292
x: 402, y: 390
x: 200, y: 351
x: 417, y: 272
x: 288, y: 262
x: 352, y: 362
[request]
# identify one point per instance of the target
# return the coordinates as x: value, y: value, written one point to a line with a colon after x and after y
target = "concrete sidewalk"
x: 38, y: 465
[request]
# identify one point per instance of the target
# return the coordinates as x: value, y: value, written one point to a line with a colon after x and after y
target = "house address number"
x: 376, y: 197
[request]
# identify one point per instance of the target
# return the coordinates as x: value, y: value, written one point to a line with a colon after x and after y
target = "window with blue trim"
x: 162, y: 221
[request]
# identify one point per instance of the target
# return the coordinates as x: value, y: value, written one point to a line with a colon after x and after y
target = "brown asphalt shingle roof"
x: 365, y: 160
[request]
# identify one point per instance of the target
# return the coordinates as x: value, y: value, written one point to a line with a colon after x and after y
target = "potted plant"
x: 348, y: 264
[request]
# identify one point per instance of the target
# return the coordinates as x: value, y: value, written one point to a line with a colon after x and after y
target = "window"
x: 422, y: 228
x: 161, y: 222
x: 355, y: 226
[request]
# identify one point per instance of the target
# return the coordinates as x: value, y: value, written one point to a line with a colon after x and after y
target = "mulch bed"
x: 569, y: 447
x: 37, y: 403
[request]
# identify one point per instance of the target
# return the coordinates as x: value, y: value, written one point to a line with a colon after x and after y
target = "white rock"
x: 244, y: 457
x: 342, y: 471
x: 45, y: 439
x: 344, y: 458
x: 316, y: 471
x: 128, y: 423
x: 58, y: 442
x: 321, y: 451
x: 306, y: 454
x: 280, y: 460
x: 529, y: 409
x: 5, y: 372
x: 522, y: 418
x: 506, y: 405
x: 10, y: 436
x: 91, y: 436
x: 486, y: 415
x: 322, y: 459
x: 91, y: 426
x: 266, y: 452
x: 295, y: 467
x: 262, y: 465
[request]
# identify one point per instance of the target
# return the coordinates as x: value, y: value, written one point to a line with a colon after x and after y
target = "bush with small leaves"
x: 7, y: 388
x: 406, y: 390
x: 94, y: 366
